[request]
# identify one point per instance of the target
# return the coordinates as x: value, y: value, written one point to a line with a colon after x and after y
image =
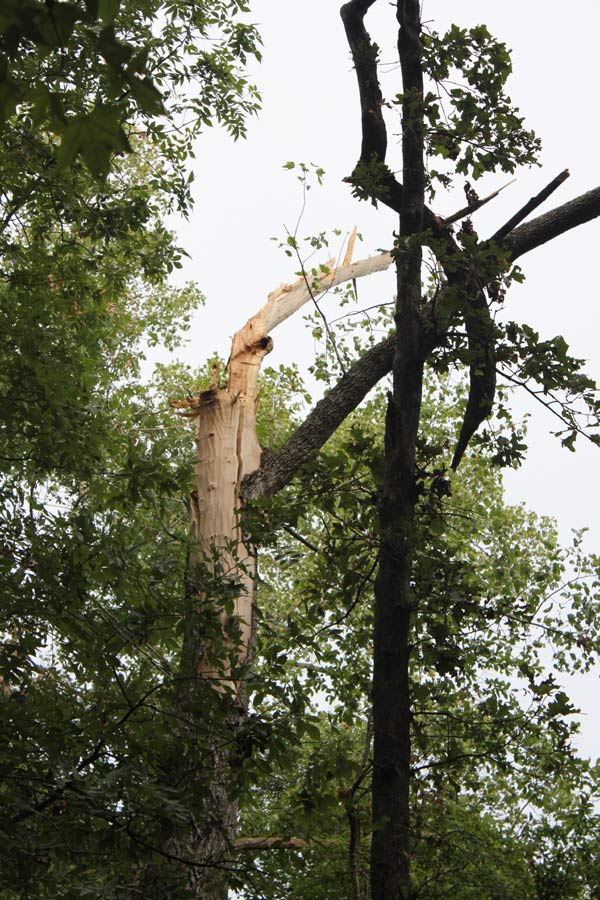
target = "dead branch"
x: 190, y: 407
x: 530, y: 206
x: 473, y: 207
x: 285, y: 301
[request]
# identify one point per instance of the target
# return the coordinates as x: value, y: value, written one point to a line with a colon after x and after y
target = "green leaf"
x: 108, y: 10
x: 148, y: 97
x: 95, y: 137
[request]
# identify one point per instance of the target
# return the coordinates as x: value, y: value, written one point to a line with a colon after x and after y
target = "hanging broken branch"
x: 473, y: 207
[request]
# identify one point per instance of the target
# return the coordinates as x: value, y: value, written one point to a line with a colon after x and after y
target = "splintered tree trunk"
x: 219, y: 637
x: 218, y: 652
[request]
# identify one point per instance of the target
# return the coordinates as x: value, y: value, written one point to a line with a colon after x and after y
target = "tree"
x: 453, y: 324
x: 90, y: 71
x: 179, y: 652
x: 487, y: 764
x: 89, y: 568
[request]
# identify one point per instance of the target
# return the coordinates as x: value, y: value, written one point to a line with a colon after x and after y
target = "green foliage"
x: 94, y: 550
x: 94, y: 532
x: 492, y: 728
x: 92, y: 71
x: 469, y: 118
x: 549, y: 372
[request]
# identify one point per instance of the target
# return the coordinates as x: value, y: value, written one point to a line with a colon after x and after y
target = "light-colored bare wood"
x: 283, y: 304
x: 350, y: 248
x: 221, y: 449
x: 227, y: 445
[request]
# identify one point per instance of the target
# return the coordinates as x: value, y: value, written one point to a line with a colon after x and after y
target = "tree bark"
x: 390, y: 848
x: 551, y: 224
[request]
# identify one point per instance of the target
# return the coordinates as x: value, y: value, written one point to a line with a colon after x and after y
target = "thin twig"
x: 473, y: 207
x: 292, y: 531
x: 328, y: 331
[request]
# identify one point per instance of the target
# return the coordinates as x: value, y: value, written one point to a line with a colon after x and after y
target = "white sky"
x: 310, y: 114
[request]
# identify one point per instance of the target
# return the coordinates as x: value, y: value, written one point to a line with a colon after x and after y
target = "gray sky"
x: 310, y: 114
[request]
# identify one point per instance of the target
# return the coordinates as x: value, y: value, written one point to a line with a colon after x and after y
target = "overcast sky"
x: 310, y: 113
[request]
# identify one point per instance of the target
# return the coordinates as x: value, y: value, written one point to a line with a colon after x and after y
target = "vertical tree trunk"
x: 220, y: 635
x: 390, y: 850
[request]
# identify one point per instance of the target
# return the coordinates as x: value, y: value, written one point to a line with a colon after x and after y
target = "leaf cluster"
x: 469, y: 118
x: 92, y: 71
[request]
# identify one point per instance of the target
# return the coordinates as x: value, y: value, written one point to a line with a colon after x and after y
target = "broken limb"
x: 530, y: 206
x: 279, y: 468
x: 473, y: 207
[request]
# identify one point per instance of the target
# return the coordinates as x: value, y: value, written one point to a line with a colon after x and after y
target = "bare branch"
x: 276, y: 843
x: 543, y: 229
x: 530, y: 206
x: 298, y: 537
x: 473, y: 207
x: 284, y: 301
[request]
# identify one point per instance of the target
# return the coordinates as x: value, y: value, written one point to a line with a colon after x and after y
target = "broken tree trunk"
x: 227, y: 451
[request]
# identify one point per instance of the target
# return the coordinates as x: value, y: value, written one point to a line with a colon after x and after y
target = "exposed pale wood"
x: 227, y: 447
x: 287, y: 299
x: 190, y: 407
x: 227, y: 451
x: 350, y: 248
x: 279, y: 308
